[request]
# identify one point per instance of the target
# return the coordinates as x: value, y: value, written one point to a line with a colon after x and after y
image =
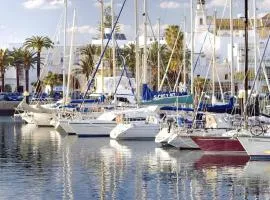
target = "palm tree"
x: 17, y: 55
x: 129, y: 53
x: 87, y: 61
x: 200, y: 84
x: 5, y: 60
x: 52, y: 79
x: 30, y: 59
x: 171, y: 34
x: 153, y: 60
x: 38, y: 43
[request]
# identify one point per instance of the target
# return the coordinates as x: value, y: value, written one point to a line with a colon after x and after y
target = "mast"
x: 255, y: 43
x: 232, y: 60
x: 184, y: 51
x: 192, y: 47
x: 102, y: 44
x: 137, y: 49
x: 113, y: 50
x: 158, y: 52
x: 65, y: 46
x: 214, y: 59
x: 246, y: 63
x: 145, y: 45
x: 71, y: 54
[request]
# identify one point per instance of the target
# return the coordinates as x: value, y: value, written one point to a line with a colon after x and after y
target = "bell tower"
x: 200, y: 16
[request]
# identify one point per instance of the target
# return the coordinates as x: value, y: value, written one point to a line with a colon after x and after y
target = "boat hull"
x: 94, y: 128
x: 140, y: 131
x: 163, y: 136
x: 258, y: 148
x: 64, y: 127
x: 217, y: 144
x: 182, y: 142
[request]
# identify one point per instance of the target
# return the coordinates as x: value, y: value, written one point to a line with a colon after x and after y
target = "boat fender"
x: 118, y: 119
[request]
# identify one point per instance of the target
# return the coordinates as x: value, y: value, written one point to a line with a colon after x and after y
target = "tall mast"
x: 65, y: 49
x: 214, y: 59
x: 102, y: 44
x: 232, y: 61
x: 137, y: 49
x: 113, y: 49
x: 71, y: 54
x: 255, y: 42
x: 184, y: 52
x: 145, y: 45
x: 246, y: 62
x: 158, y: 52
x: 192, y: 47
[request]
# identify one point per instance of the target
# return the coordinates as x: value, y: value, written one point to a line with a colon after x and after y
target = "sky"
x: 20, y: 19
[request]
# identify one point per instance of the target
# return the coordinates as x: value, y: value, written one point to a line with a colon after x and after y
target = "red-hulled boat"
x: 212, y: 143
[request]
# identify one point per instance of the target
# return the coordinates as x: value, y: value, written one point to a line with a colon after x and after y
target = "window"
x: 201, y: 21
x: 226, y: 76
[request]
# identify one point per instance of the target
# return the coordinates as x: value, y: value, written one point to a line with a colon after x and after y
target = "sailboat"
x: 238, y: 140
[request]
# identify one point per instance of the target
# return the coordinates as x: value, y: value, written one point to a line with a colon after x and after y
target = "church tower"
x: 200, y: 17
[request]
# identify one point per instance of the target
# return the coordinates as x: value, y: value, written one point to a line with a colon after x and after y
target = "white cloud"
x: 44, y: 4
x: 264, y: 4
x: 169, y: 4
x: 85, y: 29
x: 217, y: 3
x: 2, y: 27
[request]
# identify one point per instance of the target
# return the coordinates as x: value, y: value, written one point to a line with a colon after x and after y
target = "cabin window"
x: 201, y: 21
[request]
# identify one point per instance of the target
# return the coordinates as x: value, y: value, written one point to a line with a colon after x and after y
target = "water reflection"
x: 50, y: 166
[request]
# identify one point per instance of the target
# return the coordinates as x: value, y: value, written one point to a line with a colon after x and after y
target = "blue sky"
x: 23, y: 18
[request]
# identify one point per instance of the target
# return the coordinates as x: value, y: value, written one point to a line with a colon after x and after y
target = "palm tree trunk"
x: 38, y: 65
x: 27, y: 84
x: 3, y: 81
x: 17, y: 78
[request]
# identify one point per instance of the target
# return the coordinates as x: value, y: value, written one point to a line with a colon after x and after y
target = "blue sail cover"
x: 223, y: 108
x: 148, y: 94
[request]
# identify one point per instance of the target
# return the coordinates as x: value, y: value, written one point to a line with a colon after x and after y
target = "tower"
x: 200, y: 16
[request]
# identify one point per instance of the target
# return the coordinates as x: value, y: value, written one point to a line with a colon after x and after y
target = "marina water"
x: 40, y: 163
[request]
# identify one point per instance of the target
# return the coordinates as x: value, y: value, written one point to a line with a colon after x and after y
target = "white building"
x: 204, y: 45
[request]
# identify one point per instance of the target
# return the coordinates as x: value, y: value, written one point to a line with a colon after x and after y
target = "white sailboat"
x: 145, y: 129
x: 103, y: 125
x: 257, y: 147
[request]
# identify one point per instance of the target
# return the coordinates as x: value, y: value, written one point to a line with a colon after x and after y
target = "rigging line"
x: 204, y: 40
x: 170, y: 59
x: 44, y: 68
x: 103, y: 53
x: 220, y: 86
x: 124, y: 70
x: 257, y: 74
x: 178, y: 77
x: 259, y: 54
x: 151, y: 27
x: 200, y: 99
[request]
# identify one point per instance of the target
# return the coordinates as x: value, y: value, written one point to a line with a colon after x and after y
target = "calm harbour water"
x: 39, y: 163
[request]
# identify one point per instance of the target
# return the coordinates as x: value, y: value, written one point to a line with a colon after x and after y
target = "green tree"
x: 30, y: 59
x: 240, y: 76
x: 107, y: 20
x: 52, y: 80
x: 176, y: 64
x: 5, y: 61
x: 87, y: 61
x: 129, y: 53
x: 17, y: 55
x: 38, y: 43
x: 153, y: 61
